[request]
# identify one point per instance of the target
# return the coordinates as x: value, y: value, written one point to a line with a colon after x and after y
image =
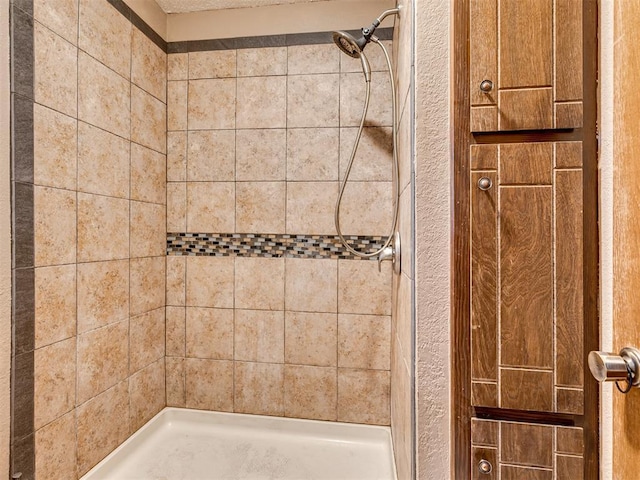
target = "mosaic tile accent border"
x: 269, y: 245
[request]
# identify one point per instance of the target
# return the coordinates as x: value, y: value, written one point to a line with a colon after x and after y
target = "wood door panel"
x: 530, y: 109
x: 568, y: 49
x: 569, y: 400
x: 526, y: 279
x: 526, y: 164
x: 483, y: 44
x: 484, y: 394
x: 526, y: 389
x: 508, y: 472
x: 568, y: 154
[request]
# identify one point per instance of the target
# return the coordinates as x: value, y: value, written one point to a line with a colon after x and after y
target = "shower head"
x: 348, y: 44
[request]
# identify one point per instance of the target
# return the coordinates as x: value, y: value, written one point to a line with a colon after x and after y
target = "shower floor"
x: 181, y: 444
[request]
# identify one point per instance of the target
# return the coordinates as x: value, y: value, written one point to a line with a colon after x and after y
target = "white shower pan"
x: 183, y: 444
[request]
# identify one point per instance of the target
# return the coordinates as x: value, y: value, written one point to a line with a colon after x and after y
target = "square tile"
x: 260, y: 207
x: 148, y: 175
x: 146, y: 339
x: 310, y: 392
x: 308, y: 59
x: 177, y: 105
x: 148, y: 120
x: 55, y: 304
x: 212, y: 104
x: 211, y: 156
x: 254, y: 62
x: 212, y: 64
x: 201, y: 392
x: 209, y: 333
x: 261, y: 154
x: 367, y: 208
x: 352, y: 94
x: 175, y: 331
x: 54, y: 381
x: 103, y: 96
x: 210, y: 282
x: 312, y: 154
x: 176, y: 278
x: 148, y: 233
x: 362, y: 289
x: 103, y: 228
x: 311, y: 285
x: 262, y: 102
x: 175, y: 382
x: 61, y: 16
x: 176, y: 207
x: 373, y: 161
x: 54, y: 226
x: 55, y: 71
x: 103, y: 294
x: 55, y: 141
x: 178, y: 66
x: 23, y: 315
x: 364, y: 396
x: 103, y: 162
x: 176, y: 156
x: 311, y: 339
x: 318, y: 110
x: 259, y: 388
x: 56, y: 448
x: 259, y: 336
x: 364, y: 341
x: 148, y: 62
x: 310, y: 207
x: 210, y: 207
x: 259, y: 283
x: 147, y: 284
x: 103, y: 359
x: 147, y: 393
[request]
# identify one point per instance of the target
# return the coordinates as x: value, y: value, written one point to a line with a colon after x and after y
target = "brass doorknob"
x: 486, y: 86
x: 485, y: 183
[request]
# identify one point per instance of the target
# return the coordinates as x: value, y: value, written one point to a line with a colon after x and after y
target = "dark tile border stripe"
x: 269, y: 245
x: 140, y: 24
x: 287, y: 40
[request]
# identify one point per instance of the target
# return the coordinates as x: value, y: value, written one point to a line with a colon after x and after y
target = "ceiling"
x: 183, y: 6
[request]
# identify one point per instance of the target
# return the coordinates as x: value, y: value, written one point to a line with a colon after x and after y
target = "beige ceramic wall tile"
x: 253, y: 62
x: 177, y: 207
x: 306, y: 59
x: 211, y: 156
x: 373, y: 161
x: 146, y: 339
x: 201, y: 392
x: 148, y: 120
x: 56, y: 448
x: 178, y: 66
x: 176, y: 156
x: 311, y: 285
x: 55, y: 304
x: 362, y: 289
x: 212, y: 104
x: 103, y: 358
x: 317, y: 110
x: 176, y: 278
x: 404, y: 318
x: 405, y: 157
x: 147, y: 391
x: 54, y: 226
x: 261, y: 102
x: 212, y: 64
x: 103, y: 294
x: 54, y: 381
x: 175, y: 382
x: 363, y: 396
x: 311, y: 339
x: 210, y: 207
x: 310, y: 392
x: 103, y: 162
x: 61, y: 16
x: 310, y: 207
x: 103, y: 228
x: 210, y: 282
x: 375, y: 56
x: 401, y: 421
x: 260, y: 207
x: 177, y: 105
x: 352, y: 96
x: 148, y: 234
x: 55, y: 71
x: 105, y: 34
x: 367, y: 208
x: 175, y: 331
x: 259, y: 336
x: 103, y: 96
x: 148, y: 63
x: 259, y: 283
x: 147, y: 284
x: 312, y: 154
x: 261, y: 155
x: 405, y: 227
x: 364, y: 341
x: 103, y: 424
x: 209, y: 333
x: 54, y: 148
x: 259, y: 388
x: 148, y: 175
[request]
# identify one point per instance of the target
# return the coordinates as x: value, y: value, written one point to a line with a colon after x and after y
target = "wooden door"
x: 531, y: 53
x: 626, y: 189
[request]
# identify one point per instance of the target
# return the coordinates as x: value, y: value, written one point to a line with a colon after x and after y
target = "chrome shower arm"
x: 386, y: 13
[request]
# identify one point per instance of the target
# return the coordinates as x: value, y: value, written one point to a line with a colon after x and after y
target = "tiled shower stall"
x: 173, y: 232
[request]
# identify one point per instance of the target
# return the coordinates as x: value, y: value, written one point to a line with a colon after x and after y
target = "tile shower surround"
x: 59, y: 408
